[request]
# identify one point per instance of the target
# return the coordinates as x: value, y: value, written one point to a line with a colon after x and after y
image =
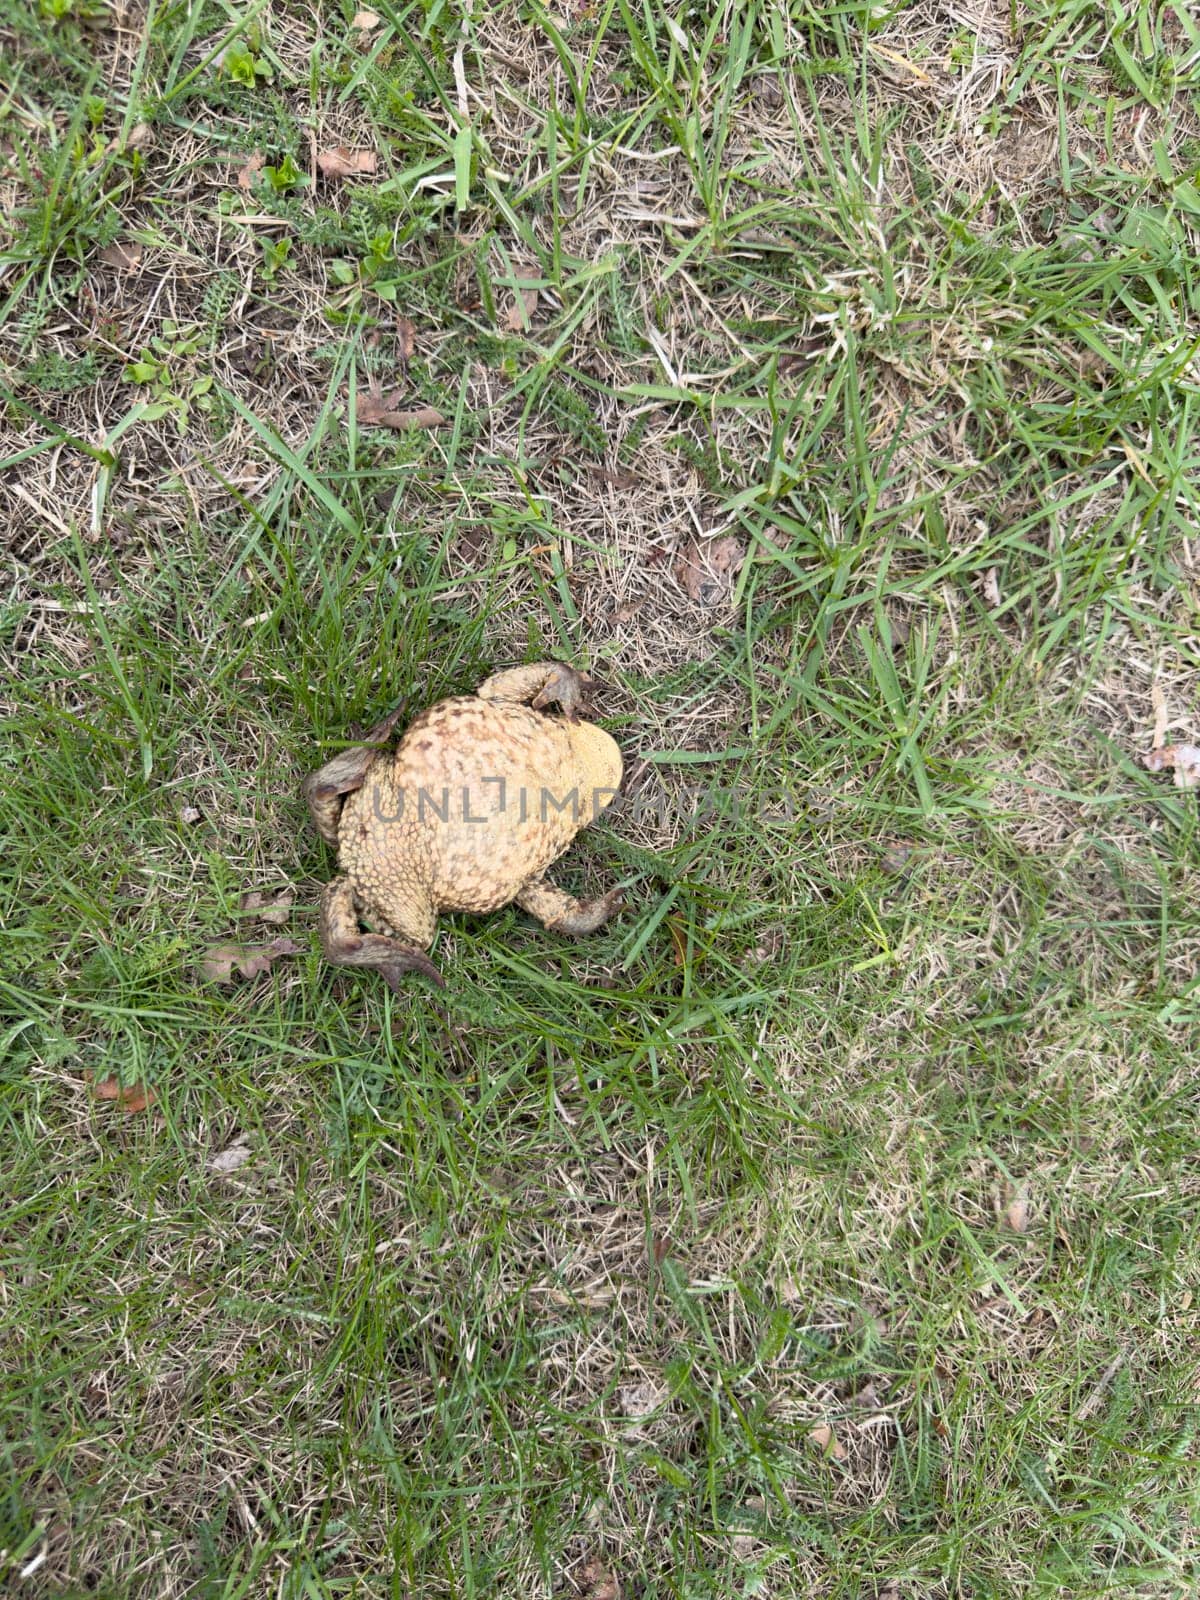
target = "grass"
x: 826, y: 1225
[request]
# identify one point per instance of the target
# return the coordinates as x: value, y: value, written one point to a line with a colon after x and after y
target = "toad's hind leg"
x: 325, y: 788
x: 540, y: 685
x: 346, y: 945
x: 562, y: 913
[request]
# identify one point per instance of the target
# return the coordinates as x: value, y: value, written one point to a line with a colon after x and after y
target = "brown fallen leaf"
x: 1182, y: 759
x: 342, y: 162
x: 247, y: 174
x: 220, y: 963
x: 273, y: 908
x: 141, y: 137
x: 474, y: 541
x: 802, y: 356
x: 707, y: 569
x: 520, y: 314
x: 229, y: 1160
x: 1016, y: 1213
x: 377, y: 410
x: 768, y: 946
x: 827, y: 1442
x: 597, y: 1583
x: 125, y: 257
x: 406, y: 339
x: 638, y: 1400
x: 132, y: 1097
x: 618, y: 477
x: 679, y: 940
x: 897, y: 854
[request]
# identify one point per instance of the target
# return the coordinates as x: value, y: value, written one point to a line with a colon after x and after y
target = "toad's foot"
x: 543, y: 684
x: 562, y: 913
x: 325, y: 789
x: 345, y: 945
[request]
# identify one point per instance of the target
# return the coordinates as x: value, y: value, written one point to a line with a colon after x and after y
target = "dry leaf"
x: 619, y: 477
x: 803, y: 356
x: 189, y: 814
x: 377, y: 410
x: 273, y: 908
x: 896, y: 856
x: 220, y: 963
x: 991, y: 588
x: 597, y: 1583
x: 520, y: 314
x: 246, y: 176
x: 231, y: 1159
x: 1017, y: 1213
x: 343, y: 162
x: 473, y: 541
x: 133, y: 1097
x: 406, y: 339
x: 640, y: 1399
x: 124, y: 257
x: 1184, y: 759
x: 706, y: 569
x: 827, y: 1442
x: 679, y: 940
x: 364, y: 21
x: 140, y: 137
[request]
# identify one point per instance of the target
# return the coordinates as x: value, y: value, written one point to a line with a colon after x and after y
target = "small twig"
x: 1101, y: 1384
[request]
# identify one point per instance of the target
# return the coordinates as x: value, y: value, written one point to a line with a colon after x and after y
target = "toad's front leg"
x: 327, y: 787
x: 562, y: 913
x: 345, y: 945
x: 540, y: 685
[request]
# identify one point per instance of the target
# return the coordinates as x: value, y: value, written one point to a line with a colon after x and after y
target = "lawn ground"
x: 824, y: 375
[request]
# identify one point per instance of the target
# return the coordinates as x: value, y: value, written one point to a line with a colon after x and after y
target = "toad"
x: 481, y: 794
